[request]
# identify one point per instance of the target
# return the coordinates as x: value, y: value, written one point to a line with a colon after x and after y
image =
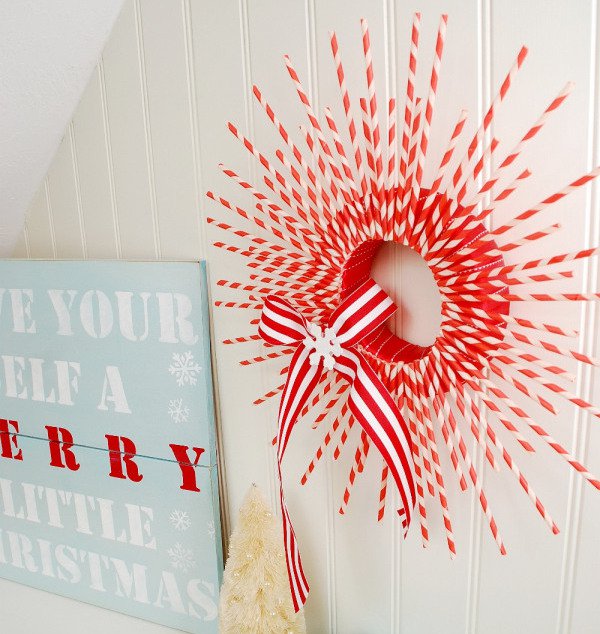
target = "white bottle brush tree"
x: 255, y: 597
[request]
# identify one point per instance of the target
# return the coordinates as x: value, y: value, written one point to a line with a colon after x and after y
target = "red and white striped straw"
x: 446, y: 434
x: 348, y: 113
x: 492, y: 405
x: 371, y: 202
x: 512, y: 156
x: 501, y: 349
x: 487, y: 240
x: 322, y: 165
x: 462, y: 168
x: 360, y: 457
x: 539, y: 297
x: 550, y: 200
x: 512, y: 465
x: 317, y: 196
x: 429, y: 221
x: 299, y: 158
x: 316, y: 126
x: 405, y: 214
x: 335, y: 425
x: 429, y: 109
x: 270, y: 394
x: 382, y: 492
x: 517, y: 322
x: 527, y: 266
x: 531, y: 237
x: 410, y: 99
x: 461, y: 181
x: 418, y: 428
x: 282, y: 352
x: 439, y: 478
x: 445, y: 243
x: 471, y: 176
x: 485, y: 507
x: 470, y: 419
x: 278, y: 215
x: 300, y: 244
x: 332, y: 384
x: 489, y: 115
x: 244, y: 234
x: 392, y: 177
x: 373, y: 117
x: 341, y: 152
x: 580, y: 468
x: 246, y: 339
x: 261, y: 158
x: 450, y: 349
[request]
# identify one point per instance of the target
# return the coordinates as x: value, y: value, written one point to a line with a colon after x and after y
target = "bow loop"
x: 280, y: 323
x: 332, y: 348
x: 361, y: 312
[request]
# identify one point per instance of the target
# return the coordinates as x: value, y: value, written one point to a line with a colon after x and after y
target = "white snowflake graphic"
x: 180, y: 520
x: 177, y: 411
x: 182, y: 558
x: 210, y: 528
x: 184, y: 368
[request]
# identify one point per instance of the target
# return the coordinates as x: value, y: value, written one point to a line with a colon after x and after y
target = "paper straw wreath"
x: 327, y: 209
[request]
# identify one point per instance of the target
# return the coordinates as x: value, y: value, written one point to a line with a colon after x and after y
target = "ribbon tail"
x: 301, y: 381
x: 377, y: 413
x: 299, y: 587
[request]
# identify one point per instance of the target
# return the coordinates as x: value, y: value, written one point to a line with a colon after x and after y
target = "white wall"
x: 128, y: 182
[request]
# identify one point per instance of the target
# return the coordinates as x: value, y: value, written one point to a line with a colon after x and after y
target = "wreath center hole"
x: 407, y: 278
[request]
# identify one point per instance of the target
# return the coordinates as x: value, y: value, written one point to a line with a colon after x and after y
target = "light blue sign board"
x: 119, y: 349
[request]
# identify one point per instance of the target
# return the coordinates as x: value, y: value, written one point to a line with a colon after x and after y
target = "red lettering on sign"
x: 61, y: 454
x: 188, y: 472
x: 8, y: 439
x: 122, y: 451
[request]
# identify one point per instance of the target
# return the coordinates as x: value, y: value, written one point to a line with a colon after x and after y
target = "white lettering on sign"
x: 99, y: 314
x: 103, y: 573
x: 38, y: 380
x: 90, y: 515
x: 20, y: 300
x: 113, y: 391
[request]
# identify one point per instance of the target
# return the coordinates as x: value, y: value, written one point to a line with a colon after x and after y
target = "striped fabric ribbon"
x: 333, y: 347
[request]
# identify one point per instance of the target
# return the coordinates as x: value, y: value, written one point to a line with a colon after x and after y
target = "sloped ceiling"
x: 48, y: 49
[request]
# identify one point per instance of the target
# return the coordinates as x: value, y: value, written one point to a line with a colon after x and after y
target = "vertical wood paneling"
x: 192, y: 93
x: 22, y: 249
x: 127, y: 133
x: 169, y: 130
x: 148, y: 141
x: 77, y: 184
x: 250, y: 174
x: 221, y: 97
x: 578, y: 610
x: 477, y: 516
x: 64, y: 201
x: 89, y: 141
x: 129, y: 179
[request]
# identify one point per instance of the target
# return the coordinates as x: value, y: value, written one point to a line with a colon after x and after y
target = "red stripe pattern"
x: 334, y: 347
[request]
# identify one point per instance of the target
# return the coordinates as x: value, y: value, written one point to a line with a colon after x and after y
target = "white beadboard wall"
x: 128, y: 182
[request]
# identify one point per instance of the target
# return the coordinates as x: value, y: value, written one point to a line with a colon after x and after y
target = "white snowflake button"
x: 325, y: 345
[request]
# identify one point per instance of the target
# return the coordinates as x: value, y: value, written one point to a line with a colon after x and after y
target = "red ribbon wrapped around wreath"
x: 334, y: 348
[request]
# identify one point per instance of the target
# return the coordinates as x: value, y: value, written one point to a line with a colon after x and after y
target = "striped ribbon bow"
x: 334, y: 348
